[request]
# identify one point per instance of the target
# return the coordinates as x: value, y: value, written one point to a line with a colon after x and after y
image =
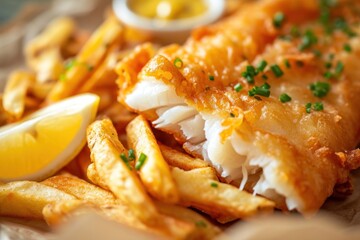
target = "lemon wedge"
x: 45, y: 141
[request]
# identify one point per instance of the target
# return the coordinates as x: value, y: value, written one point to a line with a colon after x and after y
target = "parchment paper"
x: 89, y: 14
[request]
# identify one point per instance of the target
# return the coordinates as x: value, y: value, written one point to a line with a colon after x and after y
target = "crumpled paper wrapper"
x: 338, y: 219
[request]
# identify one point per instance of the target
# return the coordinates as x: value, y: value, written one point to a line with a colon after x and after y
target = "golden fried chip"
x: 89, y: 58
x: 27, y: 199
x: 116, y: 174
x: 216, y: 198
x: 59, y: 212
x: 153, y: 169
x: 54, y: 36
x: 81, y: 189
x: 181, y: 160
x: 15, y: 93
x: 94, y: 177
x: 204, y: 228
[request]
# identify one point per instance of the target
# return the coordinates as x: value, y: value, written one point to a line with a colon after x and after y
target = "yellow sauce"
x: 168, y: 9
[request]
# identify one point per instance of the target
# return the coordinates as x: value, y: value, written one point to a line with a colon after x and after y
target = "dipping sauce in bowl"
x: 168, y: 9
x: 168, y: 21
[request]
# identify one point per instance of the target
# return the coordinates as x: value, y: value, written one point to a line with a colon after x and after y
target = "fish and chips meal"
x: 254, y: 113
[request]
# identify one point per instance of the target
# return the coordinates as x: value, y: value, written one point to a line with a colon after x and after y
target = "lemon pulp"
x: 40, y: 145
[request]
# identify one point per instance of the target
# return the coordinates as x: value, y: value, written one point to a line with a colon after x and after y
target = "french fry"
x: 204, y: 228
x: 49, y: 66
x: 83, y: 160
x: 216, y: 198
x: 105, y: 150
x: 54, y: 36
x: 181, y: 160
x: 154, y: 173
x: 81, y: 189
x: 27, y: 199
x: 15, y: 93
x: 89, y: 58
x: 59, y: 212
x: 105, y: 74
x: 94, y: 177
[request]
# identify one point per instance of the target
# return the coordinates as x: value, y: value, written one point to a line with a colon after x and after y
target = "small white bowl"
x: 168, y: 31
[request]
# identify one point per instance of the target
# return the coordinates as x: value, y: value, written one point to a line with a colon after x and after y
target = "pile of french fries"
x: 124, y: 173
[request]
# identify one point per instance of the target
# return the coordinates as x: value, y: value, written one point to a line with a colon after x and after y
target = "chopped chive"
x: 263, y: 90
x: 211, y: 78
x: 178, y: 63
x: 232, y: 115
x: 214, y: 185
x: 238, y: 87
x: 284, y: 98
x: 140, y: 162
x: 131, y: 155
x: 89, y: 67
x: 251, y: 70
x: 71, y: 63
x: 278, y: 19
x: 277, y: 70
x: 62, y: 77
x: 328, y: 75
x: 261, y: 66
x: 339, y: 68
x: 265, y: 77
x: 287, y: 63
x: 318, y: 106
x: 295, y: 32
x: 317, y: 53
x: 331, y: 56
x: 307, y: 40
x: 328, y: 65
x: 308, y: 107
x: 320, y: 89
x: 200, y: 224
x: 347, y: 47
x: 125, y: 160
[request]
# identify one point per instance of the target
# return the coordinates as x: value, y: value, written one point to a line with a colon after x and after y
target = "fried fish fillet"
x: 280, y: 130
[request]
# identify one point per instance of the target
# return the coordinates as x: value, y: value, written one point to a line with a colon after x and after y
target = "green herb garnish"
x: 211, y: 78
x: 347, y: 47
x: 307, y: 40
x: 125, y: 160
x: 131, y: 155
x: 214, y: 185
x: 200, y: 224
x: 318, y: 106
x: 320, y: 89
x: 287, y: 63
x: 140, y: 162
x: 276, y: 70
x: 263, y: 90
x: 261, y: 66
x: 284, y: 98
x: 308, y: 107
x: 278, y: 19
x: 178, y: 63
x: 238, y: 87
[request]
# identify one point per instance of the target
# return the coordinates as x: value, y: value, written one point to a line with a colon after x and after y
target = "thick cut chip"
x: 92, y: 54
x: 216, y: 198
x: 204, y: 228
x: 27, y: 199
x: 118, y: 176
x: 181, y: 160
x: 59, y: 212
x: 154, y: 172
x: 81, y: 189
x: 15, y: 93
